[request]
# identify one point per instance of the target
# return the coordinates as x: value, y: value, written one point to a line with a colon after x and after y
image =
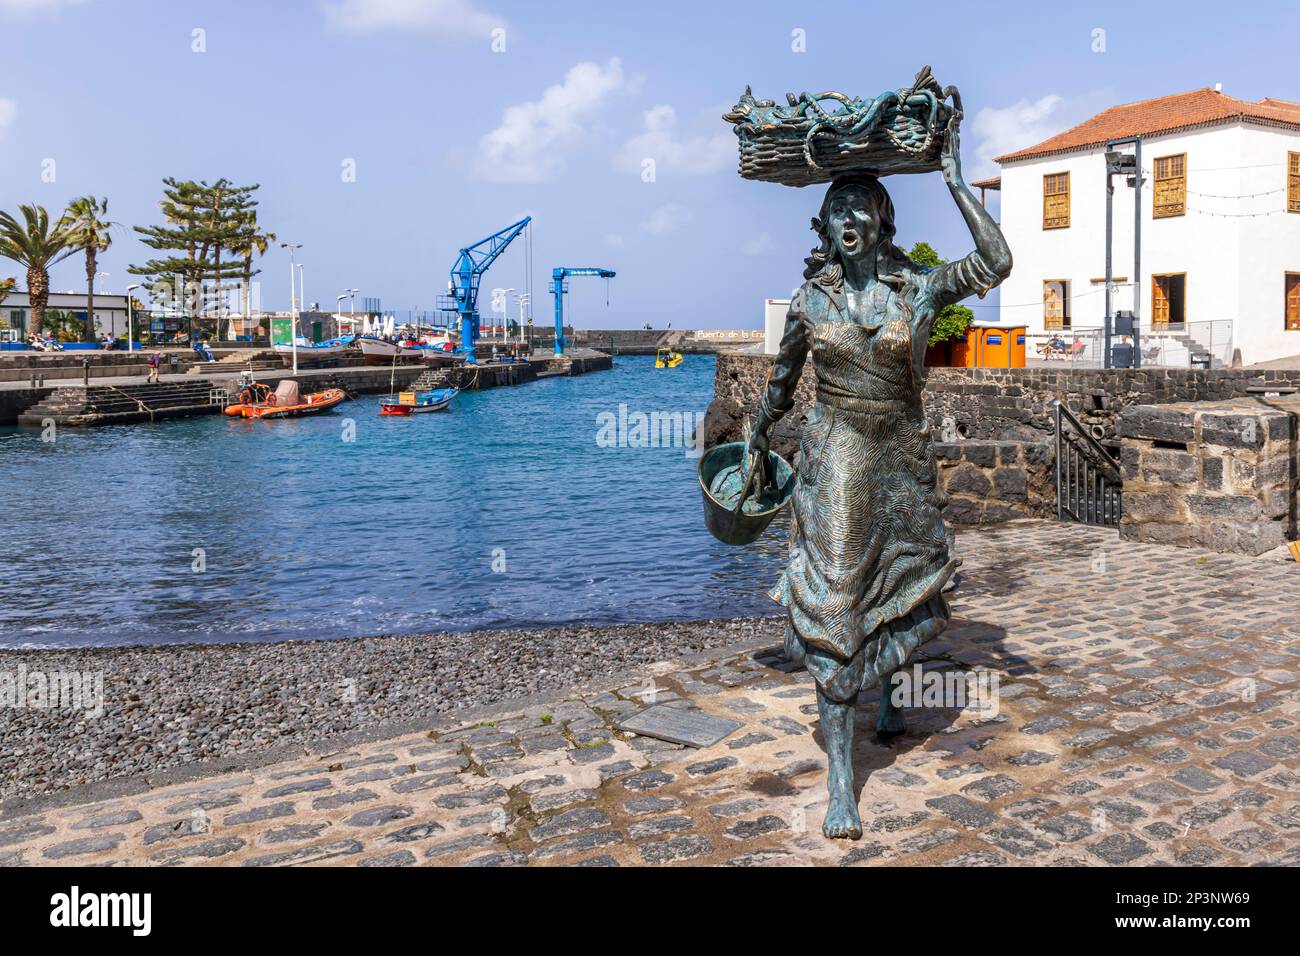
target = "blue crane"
x: 470, y: 265
x: 558, y: 275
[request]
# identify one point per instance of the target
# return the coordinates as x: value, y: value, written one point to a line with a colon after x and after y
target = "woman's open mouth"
x: 849, y: 238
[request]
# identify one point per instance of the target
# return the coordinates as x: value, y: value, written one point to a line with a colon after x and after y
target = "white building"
x: 1220, y: 229
x: 110, y: 310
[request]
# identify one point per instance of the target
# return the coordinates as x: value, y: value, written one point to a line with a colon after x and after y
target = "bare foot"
x: 842, y: 820
x: 837, y: 726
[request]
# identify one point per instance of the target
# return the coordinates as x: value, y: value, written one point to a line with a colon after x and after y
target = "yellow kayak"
x: 667, y: 358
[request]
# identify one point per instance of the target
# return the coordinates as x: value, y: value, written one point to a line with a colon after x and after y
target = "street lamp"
x: 1124, y: 164
x: 338, y: 314
x: 505, y: 309
x: 522, y: 298
x: 130, y: 337
x: 293, y: 311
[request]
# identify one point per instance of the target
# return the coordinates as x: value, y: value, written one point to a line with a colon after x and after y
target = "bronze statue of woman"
x: 868, y: 550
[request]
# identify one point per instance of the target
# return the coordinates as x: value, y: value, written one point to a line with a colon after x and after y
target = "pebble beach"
x: 169, y: 706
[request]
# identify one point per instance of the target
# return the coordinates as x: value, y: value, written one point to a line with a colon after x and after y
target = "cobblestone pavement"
x: 1149, y: 713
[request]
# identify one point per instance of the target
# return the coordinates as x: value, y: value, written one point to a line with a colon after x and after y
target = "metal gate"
x: 1088, y: 481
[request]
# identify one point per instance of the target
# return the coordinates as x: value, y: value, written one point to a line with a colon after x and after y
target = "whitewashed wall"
x: 1234, y: 266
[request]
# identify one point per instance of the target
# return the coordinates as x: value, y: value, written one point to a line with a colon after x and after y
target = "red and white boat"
x: 381, y: 351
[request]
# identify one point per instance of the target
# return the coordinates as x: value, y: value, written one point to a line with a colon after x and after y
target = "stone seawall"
x: 77, y: 407
x: 992, y: 404
x: 15, y: 401
x: 994, y: 428
x: 1216, y: 475
x: 991, y: 481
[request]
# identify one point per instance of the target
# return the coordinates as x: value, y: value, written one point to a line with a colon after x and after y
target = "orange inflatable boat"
x: 258, y: 401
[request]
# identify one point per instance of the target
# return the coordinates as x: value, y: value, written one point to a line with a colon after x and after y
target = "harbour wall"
x: 994, y: 429
x: 15, y: 401
x: 646, y: 341
x: 81, y: 402
x: 993, y: 404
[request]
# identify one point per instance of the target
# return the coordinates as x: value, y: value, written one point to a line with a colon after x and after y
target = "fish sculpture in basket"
x: 804, y: 142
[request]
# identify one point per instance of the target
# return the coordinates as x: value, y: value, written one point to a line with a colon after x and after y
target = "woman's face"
x: 853, y: 222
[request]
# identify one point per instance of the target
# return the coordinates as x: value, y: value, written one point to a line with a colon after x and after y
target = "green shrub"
x: 952, y: 320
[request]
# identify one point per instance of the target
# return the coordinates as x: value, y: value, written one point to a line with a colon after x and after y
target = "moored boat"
x: 310, y: 352
x: 256, y: 400
x: 408, y: 343
x: 408, y: 403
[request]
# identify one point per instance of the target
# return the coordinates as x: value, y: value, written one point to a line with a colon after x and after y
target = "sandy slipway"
x: 172, y: 707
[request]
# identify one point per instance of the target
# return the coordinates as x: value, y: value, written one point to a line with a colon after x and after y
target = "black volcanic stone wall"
x: 1008, y: 406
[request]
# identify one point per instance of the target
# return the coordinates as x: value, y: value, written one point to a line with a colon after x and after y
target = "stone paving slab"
x: 1149, y: 714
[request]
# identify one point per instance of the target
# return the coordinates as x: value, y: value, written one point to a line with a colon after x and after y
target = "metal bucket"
x: 721, y: 517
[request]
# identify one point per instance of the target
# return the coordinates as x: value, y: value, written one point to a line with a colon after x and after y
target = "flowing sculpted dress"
x: 868, y: 550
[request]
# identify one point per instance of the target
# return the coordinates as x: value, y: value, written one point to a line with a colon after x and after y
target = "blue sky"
x: 451, y: 140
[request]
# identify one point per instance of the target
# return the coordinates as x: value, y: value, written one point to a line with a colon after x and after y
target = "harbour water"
x: 530, y: 506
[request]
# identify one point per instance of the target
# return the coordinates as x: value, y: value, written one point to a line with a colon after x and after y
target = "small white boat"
x: 411, y: 345
x: 408, y: 403
x: 378, y: 351
x: 309, y: 352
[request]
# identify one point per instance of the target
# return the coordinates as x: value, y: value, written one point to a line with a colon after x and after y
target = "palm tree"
x: 36, y: 244
x: 92, y: 236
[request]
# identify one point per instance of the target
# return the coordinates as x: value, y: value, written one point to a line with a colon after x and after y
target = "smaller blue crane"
x: 470, y: 265
x: 558, y: 288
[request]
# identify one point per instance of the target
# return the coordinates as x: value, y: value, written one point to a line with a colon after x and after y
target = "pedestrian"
x: 153, y: 367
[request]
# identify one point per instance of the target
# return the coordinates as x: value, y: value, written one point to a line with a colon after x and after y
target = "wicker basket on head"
x: 816, y: 138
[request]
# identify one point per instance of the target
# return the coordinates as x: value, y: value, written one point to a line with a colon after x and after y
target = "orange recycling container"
x: 962, y: 353
x: 994, y: 346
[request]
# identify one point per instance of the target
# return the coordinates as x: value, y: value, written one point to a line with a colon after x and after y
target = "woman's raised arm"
x: 990, y: 263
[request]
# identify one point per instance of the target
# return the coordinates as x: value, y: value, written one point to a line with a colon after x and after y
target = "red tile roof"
x: 1165, y: 114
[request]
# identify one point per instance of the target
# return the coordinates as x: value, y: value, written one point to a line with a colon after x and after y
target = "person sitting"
x: 202, y: 348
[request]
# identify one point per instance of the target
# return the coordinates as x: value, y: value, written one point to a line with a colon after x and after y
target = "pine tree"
x: 202, y: 221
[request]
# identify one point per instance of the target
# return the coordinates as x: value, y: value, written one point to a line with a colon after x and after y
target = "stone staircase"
x: 431, y: 378
x: 81, y: 405
x: 1197, y: 353
x: 261, y: 360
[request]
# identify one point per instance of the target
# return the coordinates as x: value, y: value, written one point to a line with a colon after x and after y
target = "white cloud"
x: 8, y: 113
x: 693, y: 157
x: 529, y: 145
x: 446, y: 19
x: 1009, y: 128
x: 758, y: 246
x: 667, y: 218
x: 25, y: 7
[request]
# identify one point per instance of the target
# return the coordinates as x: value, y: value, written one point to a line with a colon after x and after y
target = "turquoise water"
x: 520, y: 506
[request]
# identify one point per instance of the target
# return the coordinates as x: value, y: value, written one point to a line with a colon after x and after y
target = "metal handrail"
x: 1095, y: 446
x: 1091, y: 493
